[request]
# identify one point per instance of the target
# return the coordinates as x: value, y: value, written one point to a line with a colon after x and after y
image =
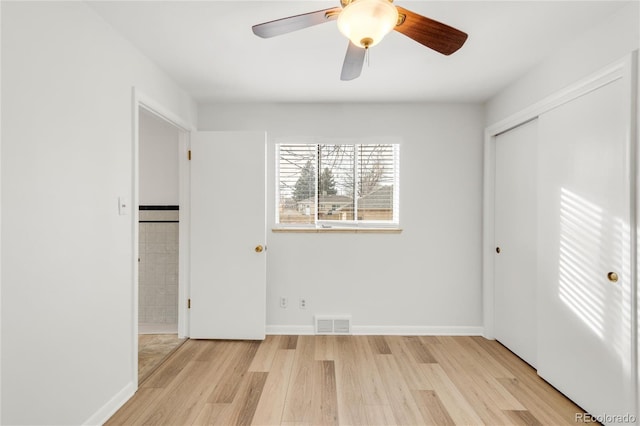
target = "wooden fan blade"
x: 353, y: 61
x: 433, y: 34
x: 294, y: 23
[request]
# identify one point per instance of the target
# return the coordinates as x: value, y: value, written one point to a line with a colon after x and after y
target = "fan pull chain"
x: 366, y: 55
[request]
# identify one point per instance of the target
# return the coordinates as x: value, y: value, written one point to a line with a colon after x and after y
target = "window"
x: 327, y: 185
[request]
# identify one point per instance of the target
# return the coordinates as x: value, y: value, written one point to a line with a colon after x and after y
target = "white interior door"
x: 228, y: 228
x: 584, y: 234
x: 516, y: 240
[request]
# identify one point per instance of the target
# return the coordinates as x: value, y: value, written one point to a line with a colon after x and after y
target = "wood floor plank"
x: 522, y: 418
x: 380, y: 415
x: 209, y: 350
x: 351, y: 405
x: 247, y: 398
x: 181, y: 399
x: 379, y: 345
x: 452, y: 399
x: 271, y: 405
x: 130, y: 412
x: 187, y: 397
x: 472, y: 381
x: 346, y: 380
x: 404, y: 407
x: 169, y: 370
x: 226, y: 389
x: 300, y: 393
x: 164, y: 411
x: 537, y: 405
x: 324, y: 409
x: 538, y: 396
x: 408, y: 366
x: 430, y: 340
x: 433, y: 412
x: 490, y: 364
x: 372, y: 386
x: 288, y: 342
x: 472, y: 361
x: 263, y: 360
x: 324, y: 348
x: 212, y: 414
x: 418, y: 350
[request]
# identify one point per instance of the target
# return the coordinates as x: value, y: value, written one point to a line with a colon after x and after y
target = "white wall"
x: 158, y: 154
x: 615, y: 37
x: 425, y: 279
x: 67, y: 264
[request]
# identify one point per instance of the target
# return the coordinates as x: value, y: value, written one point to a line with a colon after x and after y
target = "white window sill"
x: 340, y: 230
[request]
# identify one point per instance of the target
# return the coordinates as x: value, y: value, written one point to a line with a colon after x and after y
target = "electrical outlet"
x: 284, y: 302
x: 303, y: 303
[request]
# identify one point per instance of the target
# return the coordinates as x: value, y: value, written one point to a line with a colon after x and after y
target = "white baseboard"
x: 289, y: 329
x: 400, y: 330
x: 103, y: 414
x: 418, y: 330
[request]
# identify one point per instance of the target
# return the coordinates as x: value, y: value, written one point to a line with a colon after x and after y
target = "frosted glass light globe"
x: 366, y: 22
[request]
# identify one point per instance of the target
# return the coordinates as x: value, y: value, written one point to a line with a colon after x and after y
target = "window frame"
x: 319, y: 225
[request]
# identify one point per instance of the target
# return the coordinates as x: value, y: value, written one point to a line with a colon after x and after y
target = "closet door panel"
x: 584, y: 234
x: 516, y: 238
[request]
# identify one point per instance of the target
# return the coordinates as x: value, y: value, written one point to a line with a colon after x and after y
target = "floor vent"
x: 333, y: 324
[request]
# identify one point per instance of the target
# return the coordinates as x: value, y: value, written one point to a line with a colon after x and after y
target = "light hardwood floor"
x: 346, y: 380
x: 152, y: 351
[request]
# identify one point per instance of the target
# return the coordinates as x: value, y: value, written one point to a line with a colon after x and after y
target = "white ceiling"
x: 208, y: 48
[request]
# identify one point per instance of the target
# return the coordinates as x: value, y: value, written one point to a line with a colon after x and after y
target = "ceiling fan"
x: 365, y: 23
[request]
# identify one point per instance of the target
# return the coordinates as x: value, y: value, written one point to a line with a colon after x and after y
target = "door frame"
x: 141, y: 100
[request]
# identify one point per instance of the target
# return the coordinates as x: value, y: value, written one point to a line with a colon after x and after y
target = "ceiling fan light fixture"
x: 366, y: 22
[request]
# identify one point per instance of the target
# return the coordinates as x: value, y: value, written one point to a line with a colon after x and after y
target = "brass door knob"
x: 613, y: 277
x: 259, y: 249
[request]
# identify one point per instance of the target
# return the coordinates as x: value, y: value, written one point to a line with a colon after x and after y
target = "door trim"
x: 141, y: 100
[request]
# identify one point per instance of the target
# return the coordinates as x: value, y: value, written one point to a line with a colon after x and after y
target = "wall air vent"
x: 324, y: 326
x: 333, y: 324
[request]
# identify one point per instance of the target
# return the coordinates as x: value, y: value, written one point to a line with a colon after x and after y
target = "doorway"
x: 158, y: 219
x: 159, y: 242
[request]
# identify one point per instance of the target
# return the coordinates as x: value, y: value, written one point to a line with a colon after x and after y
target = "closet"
x: 563, y: 265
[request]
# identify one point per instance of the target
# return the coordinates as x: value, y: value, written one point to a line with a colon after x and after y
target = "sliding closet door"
x: 516, y: 239
x: 584, y: 250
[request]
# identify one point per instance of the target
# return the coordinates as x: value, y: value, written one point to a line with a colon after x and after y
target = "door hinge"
x: 189, y: 155
x: 188, y: 303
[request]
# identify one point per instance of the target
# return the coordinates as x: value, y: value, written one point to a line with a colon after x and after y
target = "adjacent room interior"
x: 234, y: 221
x: 158, y: 242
